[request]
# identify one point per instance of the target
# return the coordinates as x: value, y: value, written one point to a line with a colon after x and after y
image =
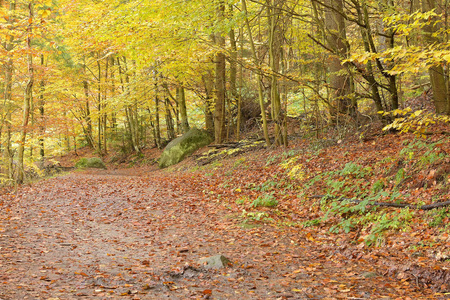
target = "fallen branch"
x: 386, y: 204
x: 226, y: 145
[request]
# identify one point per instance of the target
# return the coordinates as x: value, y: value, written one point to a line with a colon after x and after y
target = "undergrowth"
x: 372, y: 183
x: 400, y: 178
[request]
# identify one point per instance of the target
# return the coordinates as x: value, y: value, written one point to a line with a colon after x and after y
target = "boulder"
x: 183, y: 146
x: 93, y: 162
x: 215, y: 262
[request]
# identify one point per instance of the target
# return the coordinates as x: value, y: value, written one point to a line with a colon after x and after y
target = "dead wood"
x: 386, y: 204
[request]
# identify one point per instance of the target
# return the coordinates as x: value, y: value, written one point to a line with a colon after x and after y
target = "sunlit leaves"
x: 405, y: 24
x: 417, y: 122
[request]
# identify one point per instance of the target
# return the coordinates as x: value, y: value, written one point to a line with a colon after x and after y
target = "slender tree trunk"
x: 209, y: 104
x: 9, y: 46
x: 274, y: 63
x: 99, y: 106
x: 169, y: 120
x: 42, y: 119
x: 220, y: 76
x: 369, y: 75
x: 113, y: 92
x: 392, y: 79
x: 260, y: 77
x: 157, y: 121
x: 181, y: 99
x: 131, y: 113
x: 7, y: 151
x: 233, y: 65
x: 27, y: 101
x: 132, y: 127
x: 176, y: 112
x: 135, y: 113
x: 241, y: 85
x: 233, y: 79
x: 104, y: 103
x: 89, y: 137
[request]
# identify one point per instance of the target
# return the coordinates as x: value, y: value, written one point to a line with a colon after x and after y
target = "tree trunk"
x: 103, y: 107
x: 340, y: 81
x: 233, y: 79
x: 260, y: 77
x: 42, y: 119
x: 88, y: 134
x: 241, y: 85
x: 26, y: 102
x: 169, y: 120
x: 157, y: 121
x: 436, y: 72
x: 369, y: 74
x: 220, y: 78
x: 181, y: 100
x: 131, y: 112
x: 9, y: 46
x: 99, y: 106
x: 113, y: 92
x: 275, y: 36
x: 209, y: 104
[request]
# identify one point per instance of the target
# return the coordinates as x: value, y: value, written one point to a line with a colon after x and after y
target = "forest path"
x: 108, y: 235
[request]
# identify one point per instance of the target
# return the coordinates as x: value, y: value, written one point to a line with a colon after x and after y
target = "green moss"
x: 183, y: 146
x: 93, y: 162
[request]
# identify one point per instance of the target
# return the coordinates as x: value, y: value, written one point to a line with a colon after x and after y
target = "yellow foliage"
x: 416, y: 122
x: 295, y: 171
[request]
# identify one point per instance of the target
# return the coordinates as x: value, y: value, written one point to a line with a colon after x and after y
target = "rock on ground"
x: 183, y: 146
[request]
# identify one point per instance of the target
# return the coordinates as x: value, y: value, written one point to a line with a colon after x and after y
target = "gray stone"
x: 183, y: 146
x: 215, y: 262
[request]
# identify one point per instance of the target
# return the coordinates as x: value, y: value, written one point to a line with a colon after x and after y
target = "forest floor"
x: 135, y: 232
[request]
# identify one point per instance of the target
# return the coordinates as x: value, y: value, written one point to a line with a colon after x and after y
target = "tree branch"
x: 386, y: 204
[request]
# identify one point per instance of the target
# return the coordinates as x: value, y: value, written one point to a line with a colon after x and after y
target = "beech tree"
x: 135, y: 74
x: 438, y: 80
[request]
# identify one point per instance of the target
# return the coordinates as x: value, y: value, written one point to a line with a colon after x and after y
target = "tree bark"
x: 9, y: 46
x: 42, y: 118
x: 99, y: 105
x: 209, y: 103
x: 241, y: 85
x: 369, y: 74
x: 88, y: 133
x: 181, y: 100
x: 26, y: 102
x: 340, y: 81
x: 275, y: 36
x: 220, y: 78
x: 157, y: 121
x: 439, y: 83
x: 169, y: 120
x: 260, y: 77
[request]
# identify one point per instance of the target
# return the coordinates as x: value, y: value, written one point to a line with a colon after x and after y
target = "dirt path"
x: 104, y: 235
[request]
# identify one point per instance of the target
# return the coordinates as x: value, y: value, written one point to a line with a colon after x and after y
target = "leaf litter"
x: 139, y: 234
